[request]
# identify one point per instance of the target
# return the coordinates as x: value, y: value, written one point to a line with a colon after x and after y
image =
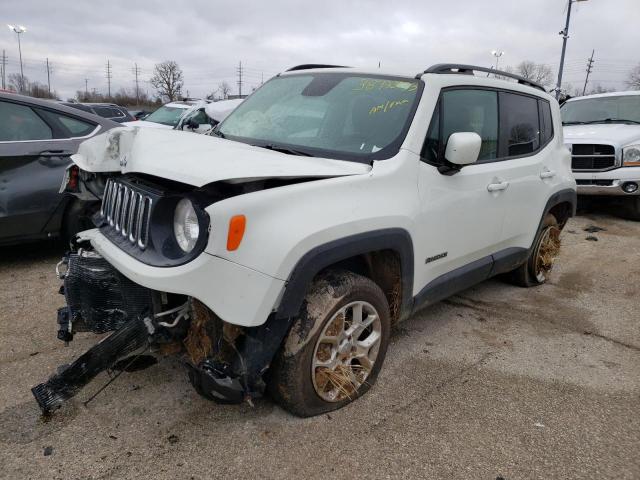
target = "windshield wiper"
x: 218, y: 133
x: 603, y: 120
x: 287, y: 150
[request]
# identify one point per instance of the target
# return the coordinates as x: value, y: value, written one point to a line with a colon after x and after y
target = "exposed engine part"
x: 71, y: 378
x: 99, y: 298
x: 216, y: 381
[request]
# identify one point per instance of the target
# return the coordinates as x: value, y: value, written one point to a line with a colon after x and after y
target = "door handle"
x: 495, y: 187
x: 547, y: 174
x: 54, y: 153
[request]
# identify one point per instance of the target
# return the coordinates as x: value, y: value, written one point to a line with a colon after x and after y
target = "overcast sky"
x: 209, y: 38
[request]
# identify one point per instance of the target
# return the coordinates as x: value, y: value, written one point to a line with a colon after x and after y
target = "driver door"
x: 461, y: 214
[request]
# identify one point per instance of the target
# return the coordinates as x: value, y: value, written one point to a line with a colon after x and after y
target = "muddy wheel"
x: 335, y: 348
x: 546, y: 248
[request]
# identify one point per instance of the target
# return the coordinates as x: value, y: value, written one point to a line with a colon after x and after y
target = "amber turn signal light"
x: 236, y: 231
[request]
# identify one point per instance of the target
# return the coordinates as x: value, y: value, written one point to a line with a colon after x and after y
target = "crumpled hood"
x: 619, y: 134
x: 198, y: 159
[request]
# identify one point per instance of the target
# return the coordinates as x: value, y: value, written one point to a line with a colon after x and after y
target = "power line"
x: 240, y: 79
x: 108, y: 79
x: 136, y: 72
x: 589, y: 68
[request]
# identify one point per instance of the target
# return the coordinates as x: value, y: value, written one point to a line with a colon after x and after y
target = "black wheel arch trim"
x: 568, y: 195
x: 325, y: 255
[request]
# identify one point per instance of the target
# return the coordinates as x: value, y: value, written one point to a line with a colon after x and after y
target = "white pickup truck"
x: 603, y: 133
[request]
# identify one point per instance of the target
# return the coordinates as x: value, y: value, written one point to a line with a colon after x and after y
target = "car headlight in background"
x: 185, y: 225
x: 631, y: 155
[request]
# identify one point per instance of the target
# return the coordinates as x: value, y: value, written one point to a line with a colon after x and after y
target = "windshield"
x: 335, y: 115
x: 603, y: 109
x: 166, y: 115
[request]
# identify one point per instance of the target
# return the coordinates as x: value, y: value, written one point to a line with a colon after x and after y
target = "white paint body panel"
x: 455, y: 214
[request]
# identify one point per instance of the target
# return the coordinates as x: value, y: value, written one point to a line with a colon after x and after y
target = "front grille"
x: 128, y: 211
x: 589, y: 157
x: 599, y: 183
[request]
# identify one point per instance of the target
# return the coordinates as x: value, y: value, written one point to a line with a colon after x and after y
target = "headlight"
x: 631, y: 155
x: 185, y: 225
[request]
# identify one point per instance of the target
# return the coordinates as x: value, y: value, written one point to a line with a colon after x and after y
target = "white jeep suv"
x: 603, y: 133
x: 330, y: 205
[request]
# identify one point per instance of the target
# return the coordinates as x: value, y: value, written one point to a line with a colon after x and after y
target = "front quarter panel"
x: 283, y: 224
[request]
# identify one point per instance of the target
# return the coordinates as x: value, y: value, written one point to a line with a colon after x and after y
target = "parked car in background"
x: 603, y: 133
x: 139, y: 114
x: 37, y: 137
x: 202, y: 117
x: 105, y: 110
x: 167, y: 116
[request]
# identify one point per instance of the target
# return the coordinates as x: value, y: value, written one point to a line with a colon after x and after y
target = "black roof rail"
x: 444, y: 68
x: 309, y: 66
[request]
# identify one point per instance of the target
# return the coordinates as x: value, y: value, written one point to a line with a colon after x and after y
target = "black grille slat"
x: 594, y: 157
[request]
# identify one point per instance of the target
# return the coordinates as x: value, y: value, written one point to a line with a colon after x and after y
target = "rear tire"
x: 546, y: 247
x: 77, y: 218
x: 335, y: 348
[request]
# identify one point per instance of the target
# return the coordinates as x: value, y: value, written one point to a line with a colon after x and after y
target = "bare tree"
x: 17, y: 82
x: 167, y: 79
x: 633, y: 82
x: 536, y: 72
x: 225, y: 89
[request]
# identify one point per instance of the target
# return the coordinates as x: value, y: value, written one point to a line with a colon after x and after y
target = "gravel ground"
x: 497, y: 382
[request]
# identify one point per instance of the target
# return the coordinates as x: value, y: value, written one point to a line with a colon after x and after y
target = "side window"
x: 65, y: 126
x: 471, y: 111
x: 519, y: 125
x: 20, y: 122
x: 104, y: 112
x: 432, y: 142
x: 546, y: 121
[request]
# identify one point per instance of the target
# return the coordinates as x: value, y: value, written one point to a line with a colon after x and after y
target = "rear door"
x: 35, y: 146
x: 526, y: 149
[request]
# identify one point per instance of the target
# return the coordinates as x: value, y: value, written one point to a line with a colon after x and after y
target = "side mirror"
x: 192, y: 124
x: 463, y: 148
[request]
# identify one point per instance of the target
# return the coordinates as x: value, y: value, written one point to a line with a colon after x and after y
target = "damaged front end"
x: 225, y: 363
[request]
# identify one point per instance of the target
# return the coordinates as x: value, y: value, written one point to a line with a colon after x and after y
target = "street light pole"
x: 565, y: 36
x: 18, y: 29
x: 497, y: 54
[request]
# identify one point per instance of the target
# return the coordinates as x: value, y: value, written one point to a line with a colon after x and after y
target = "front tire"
x: 335, y: 348
x: 542, y: 256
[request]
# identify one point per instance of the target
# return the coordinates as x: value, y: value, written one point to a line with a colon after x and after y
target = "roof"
x: 58, y: 106
x: 465, y: 78
x: 608, y: 94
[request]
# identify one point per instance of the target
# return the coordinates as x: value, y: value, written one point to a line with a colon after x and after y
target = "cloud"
x: 208, y: 39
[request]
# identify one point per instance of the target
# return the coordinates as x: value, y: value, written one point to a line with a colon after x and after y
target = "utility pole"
x: 4, y: 69
x: 240, y: 80
x: 86, y: 89
x: 565, y: 36
x: 589, y: 68
x: 108, y: 79
x: 136, y: 72
x: 49, y: 76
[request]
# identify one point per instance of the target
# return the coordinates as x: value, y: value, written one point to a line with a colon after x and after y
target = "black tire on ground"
x: 525, y: 275
x: 291, y: 381
x: 77, y: 218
